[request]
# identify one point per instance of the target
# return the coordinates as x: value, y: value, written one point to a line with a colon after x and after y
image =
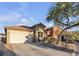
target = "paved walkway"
x: 36, y: 50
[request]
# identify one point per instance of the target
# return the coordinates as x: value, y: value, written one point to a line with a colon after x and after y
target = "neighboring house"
x: 17, y: 34
x: 22, y: 34
x: 2, y: 37
x: 53, y: 31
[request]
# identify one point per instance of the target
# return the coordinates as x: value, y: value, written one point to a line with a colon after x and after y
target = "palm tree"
x: 62, y: 15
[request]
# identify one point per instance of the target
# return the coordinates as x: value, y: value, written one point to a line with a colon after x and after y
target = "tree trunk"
x: 60, y: 35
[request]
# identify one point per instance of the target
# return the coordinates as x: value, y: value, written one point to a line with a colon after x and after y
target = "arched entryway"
x: 40, y: 36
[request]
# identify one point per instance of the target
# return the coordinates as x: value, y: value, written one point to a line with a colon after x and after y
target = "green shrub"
x: 51, y: 39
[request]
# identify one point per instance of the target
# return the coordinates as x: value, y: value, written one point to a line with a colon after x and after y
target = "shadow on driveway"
x: 43, y: 45
x: 5, y: 52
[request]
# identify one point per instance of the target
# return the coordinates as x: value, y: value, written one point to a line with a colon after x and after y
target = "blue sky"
x: 21, y: 13
x: 24, y: 13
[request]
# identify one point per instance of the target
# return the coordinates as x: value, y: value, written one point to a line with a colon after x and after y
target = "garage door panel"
x: 18, y: 36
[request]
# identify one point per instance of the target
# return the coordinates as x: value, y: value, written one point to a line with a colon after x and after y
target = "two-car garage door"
x: 18, y: 36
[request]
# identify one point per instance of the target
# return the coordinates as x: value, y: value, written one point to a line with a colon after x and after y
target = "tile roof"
x: 38, y: 25
x: 17, y: 28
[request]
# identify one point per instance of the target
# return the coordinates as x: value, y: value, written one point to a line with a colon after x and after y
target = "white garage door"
x: 18, y: 36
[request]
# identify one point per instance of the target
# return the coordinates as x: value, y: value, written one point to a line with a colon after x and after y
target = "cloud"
x: 13, y: 15
x: 25, y: 21
x: 50, y: 24
x: 45, y: 17
x: 10, y: 16
x: 1, y: 29
x: 7, y: 14
x: 31, y: 18
x: 20, y: 24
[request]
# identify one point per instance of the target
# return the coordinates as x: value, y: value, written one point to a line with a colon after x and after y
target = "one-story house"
x: 36, y: 33
x: 22, y: 34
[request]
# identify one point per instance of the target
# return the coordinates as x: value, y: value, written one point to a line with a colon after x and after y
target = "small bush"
x: 51, y: 39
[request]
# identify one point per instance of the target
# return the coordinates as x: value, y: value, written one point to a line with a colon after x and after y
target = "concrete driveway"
x: 36, y: 50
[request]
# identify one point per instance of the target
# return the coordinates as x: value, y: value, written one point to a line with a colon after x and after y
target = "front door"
x: 40, y: 36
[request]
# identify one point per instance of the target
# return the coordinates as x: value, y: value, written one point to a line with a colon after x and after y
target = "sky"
x: 24, y: 13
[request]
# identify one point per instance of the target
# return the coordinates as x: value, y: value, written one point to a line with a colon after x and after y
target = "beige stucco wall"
x: 40, y: 30
x: 17, y: 36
